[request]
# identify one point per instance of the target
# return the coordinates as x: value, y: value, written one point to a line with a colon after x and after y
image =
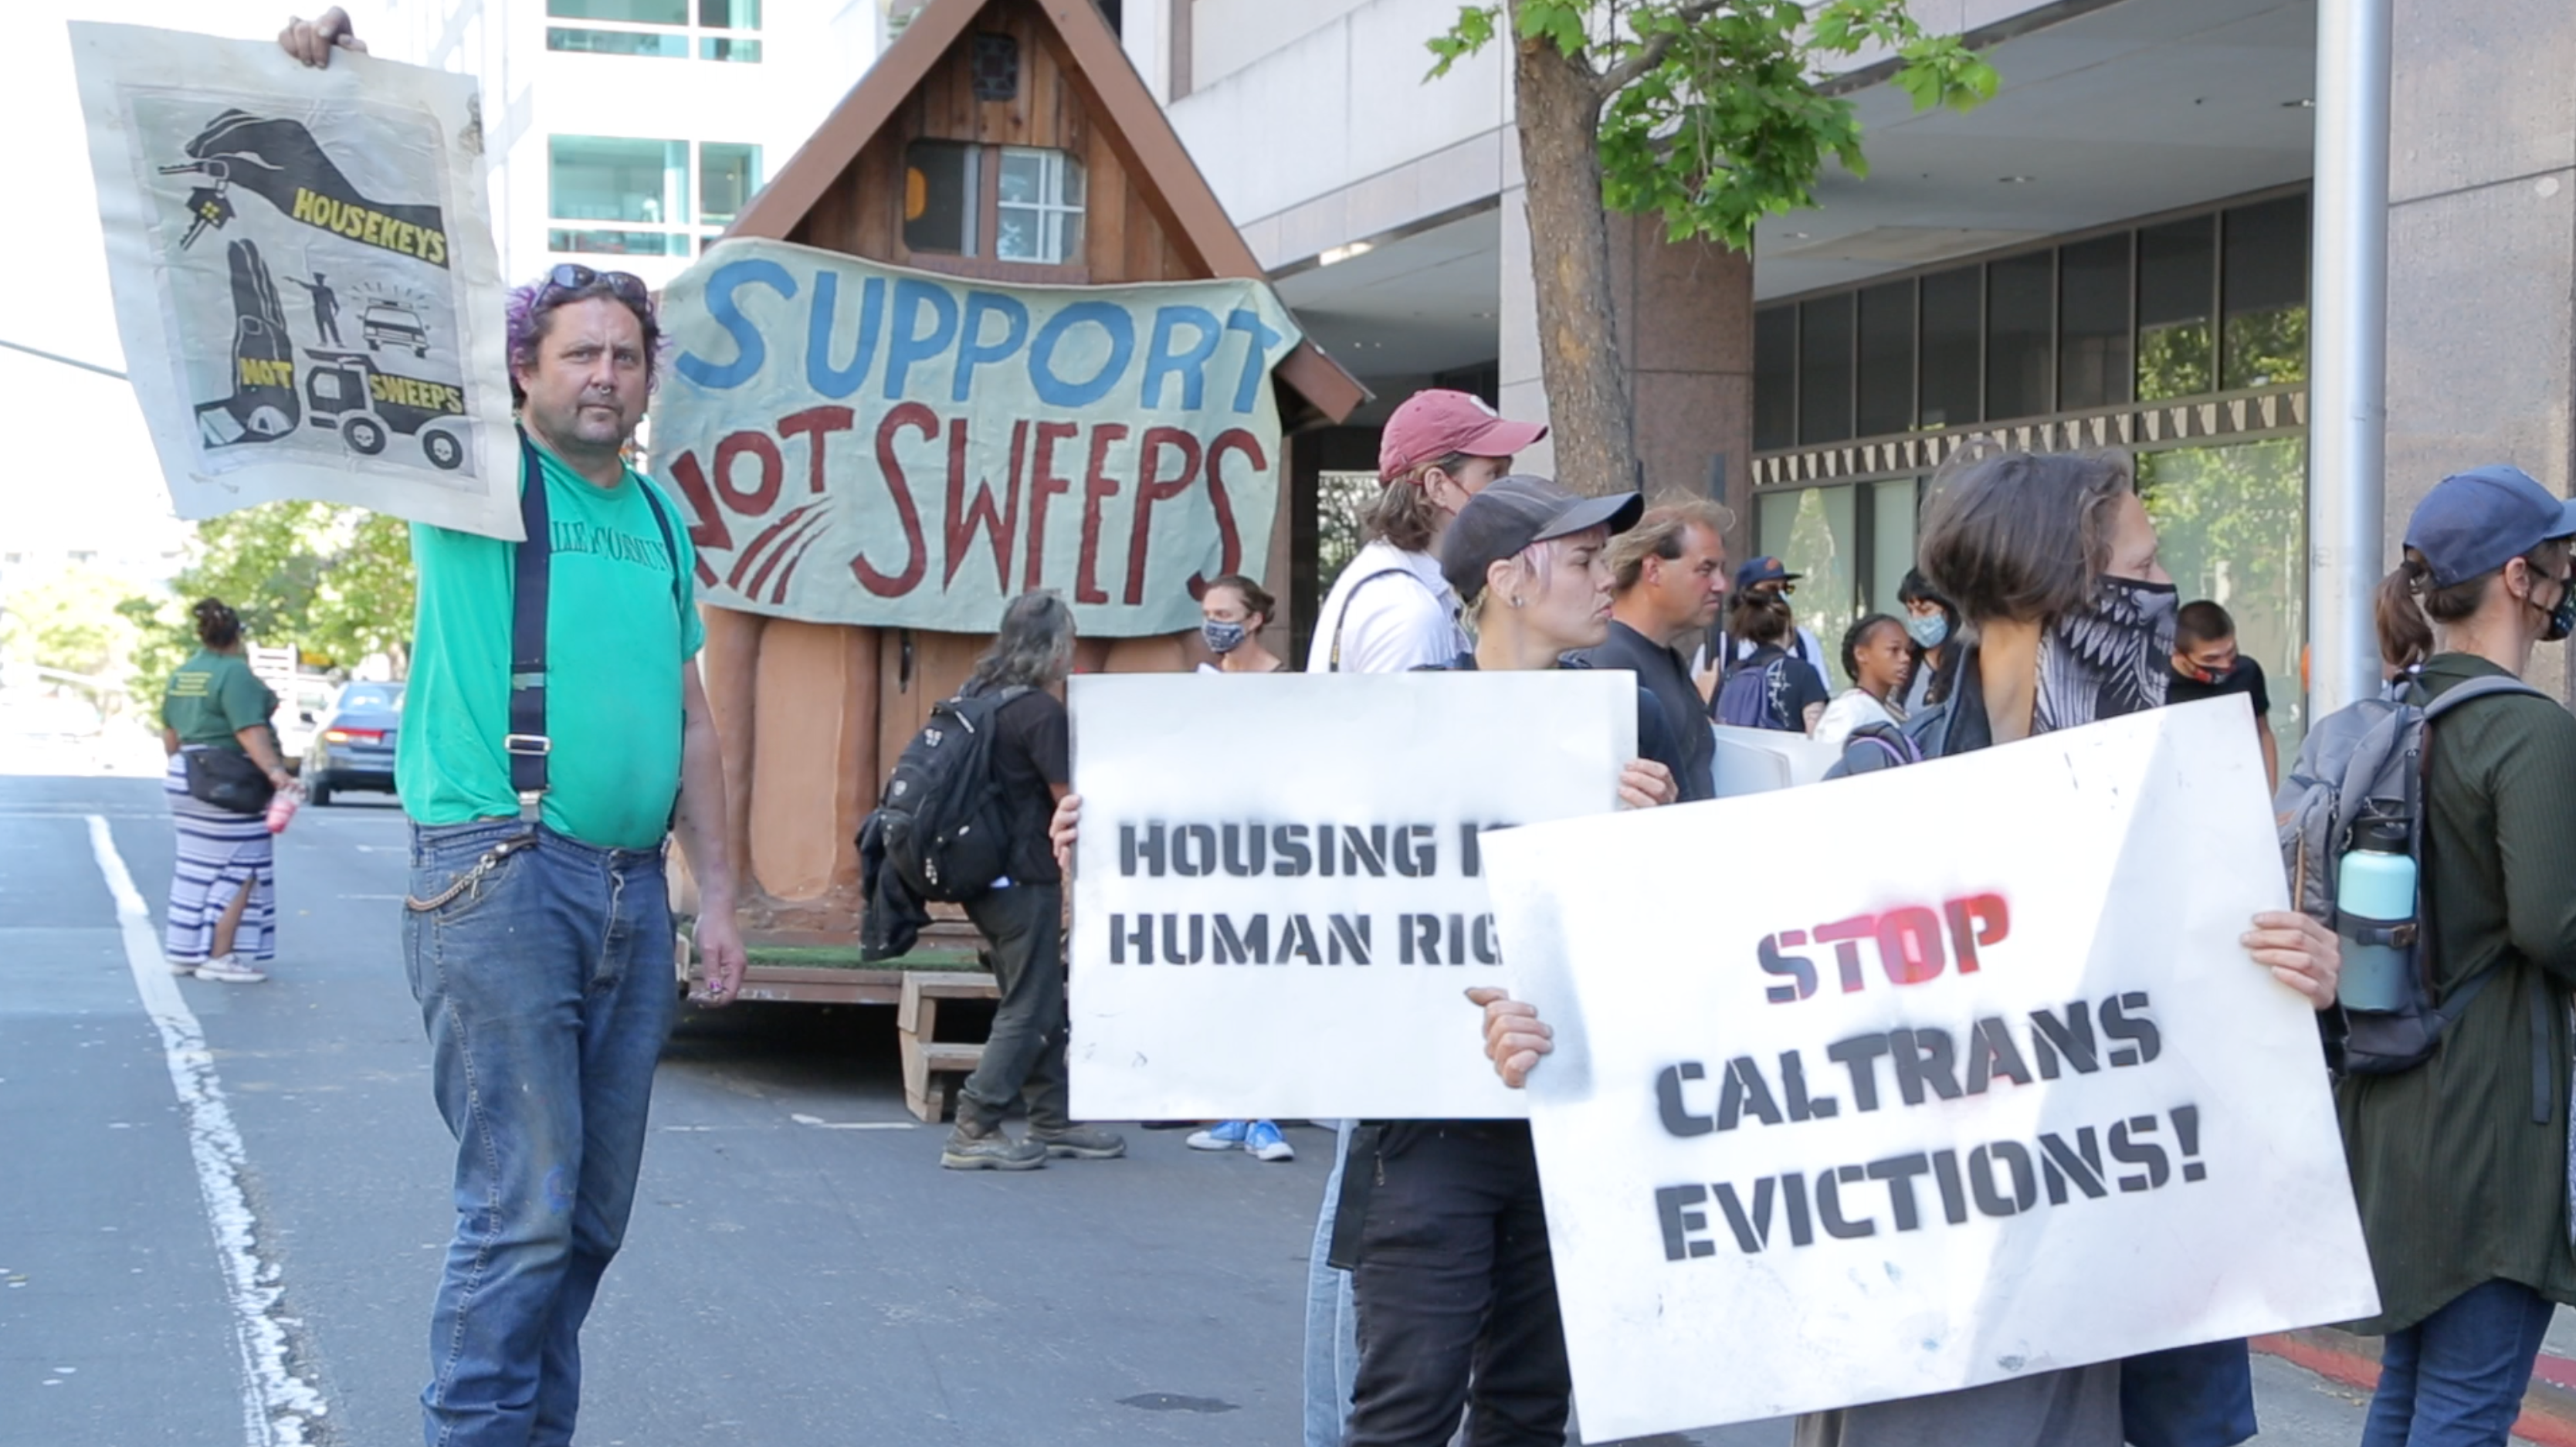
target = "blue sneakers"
x: 1266, y: 1143
x: 1225, y: 1136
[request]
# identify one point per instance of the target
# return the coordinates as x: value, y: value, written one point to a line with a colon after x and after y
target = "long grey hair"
x: 1032, y: 649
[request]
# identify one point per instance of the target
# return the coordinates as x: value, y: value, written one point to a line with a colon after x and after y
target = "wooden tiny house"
x: 1006, y: 141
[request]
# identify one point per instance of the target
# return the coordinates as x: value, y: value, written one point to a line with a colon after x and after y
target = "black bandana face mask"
x: 2112, y: 656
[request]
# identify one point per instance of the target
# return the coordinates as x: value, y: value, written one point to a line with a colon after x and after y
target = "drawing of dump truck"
x: 391, y: 322
x: 261, y: 407
x: 347, y: 390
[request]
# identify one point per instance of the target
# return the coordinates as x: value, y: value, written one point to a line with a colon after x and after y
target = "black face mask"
x: 2110, y: 657
x: 2562, y: 619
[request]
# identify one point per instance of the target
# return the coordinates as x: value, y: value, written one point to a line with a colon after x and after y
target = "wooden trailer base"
x: 933, y: 1068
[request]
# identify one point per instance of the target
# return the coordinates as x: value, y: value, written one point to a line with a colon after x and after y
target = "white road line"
x: 280, y: 1405
x: 816, y: 1122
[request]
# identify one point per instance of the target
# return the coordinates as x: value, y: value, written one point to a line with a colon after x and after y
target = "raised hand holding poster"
x: 1279, y: 902
x: 1997, y: 1092
x: 305, y: 281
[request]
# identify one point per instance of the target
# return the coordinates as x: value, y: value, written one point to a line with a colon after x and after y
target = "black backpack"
x: 945, y: 827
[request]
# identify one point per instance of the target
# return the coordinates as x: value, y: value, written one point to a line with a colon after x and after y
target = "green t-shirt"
x: 214, y: 696
x: 614, y: 655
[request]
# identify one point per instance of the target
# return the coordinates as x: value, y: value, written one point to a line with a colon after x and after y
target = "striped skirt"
x: 220, y: 855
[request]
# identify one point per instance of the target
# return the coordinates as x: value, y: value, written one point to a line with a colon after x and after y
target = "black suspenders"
x: 532, y: 576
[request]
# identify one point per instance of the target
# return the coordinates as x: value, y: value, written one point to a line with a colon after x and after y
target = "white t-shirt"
x: 1392, y: 611
x: 1853, y: 709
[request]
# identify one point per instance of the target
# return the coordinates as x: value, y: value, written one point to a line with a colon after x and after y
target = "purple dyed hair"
x: 532, y: 304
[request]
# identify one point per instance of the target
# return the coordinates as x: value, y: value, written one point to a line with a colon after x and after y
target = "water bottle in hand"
x: 281, y: 807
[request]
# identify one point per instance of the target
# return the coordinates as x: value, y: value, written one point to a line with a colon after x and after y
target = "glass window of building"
x: 1825, y: 369
x: 1814, y: 533
x: 1892, y: 509
x: 2021, y: 318
x: 665, y: 28
x: 1039, y: 215
x: 2093, y: 363
x: 632, y: 195
x: 2231, y: 526
x: 1887, y: 359
x: 1952, y: 367
x: 1775, y: 377
x: 939, y: 196
x: 728, y: 175
x: 2177, y: 290
x: 2264, y: 283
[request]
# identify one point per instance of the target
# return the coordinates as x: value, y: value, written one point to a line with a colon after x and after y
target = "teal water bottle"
x: 2375, y: 893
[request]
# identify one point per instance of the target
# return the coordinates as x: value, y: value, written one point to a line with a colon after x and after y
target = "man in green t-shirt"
x: 540, y: 948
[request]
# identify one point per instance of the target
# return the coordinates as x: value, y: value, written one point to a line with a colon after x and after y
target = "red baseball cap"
x: 1433, y: 424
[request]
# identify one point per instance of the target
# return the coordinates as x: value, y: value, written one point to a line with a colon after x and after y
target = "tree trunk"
x: 1588, y: 409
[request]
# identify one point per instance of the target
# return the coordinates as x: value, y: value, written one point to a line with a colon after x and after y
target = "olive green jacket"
x: 2458, y: 1184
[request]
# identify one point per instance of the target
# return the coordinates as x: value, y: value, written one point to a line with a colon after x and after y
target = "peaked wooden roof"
x: 1138, y: 132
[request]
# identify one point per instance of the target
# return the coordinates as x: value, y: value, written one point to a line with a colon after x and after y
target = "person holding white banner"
x: 2460, y: 1163
x: 1391, y: 610
x: 2052, y: 560
x: 1441, y: 1226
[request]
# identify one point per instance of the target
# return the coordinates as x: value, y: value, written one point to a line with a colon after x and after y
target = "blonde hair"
x: 1533, y: 567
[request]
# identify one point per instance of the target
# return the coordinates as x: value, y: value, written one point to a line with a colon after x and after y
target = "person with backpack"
x: 1769, y: 687
x: 2460, y: 1162
x: 2052, y: 560
x: 1020, y: 913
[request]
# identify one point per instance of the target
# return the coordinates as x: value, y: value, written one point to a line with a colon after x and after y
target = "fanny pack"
x: 227, y: 780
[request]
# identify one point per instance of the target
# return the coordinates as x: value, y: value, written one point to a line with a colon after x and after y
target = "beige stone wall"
x: 2482, y: 251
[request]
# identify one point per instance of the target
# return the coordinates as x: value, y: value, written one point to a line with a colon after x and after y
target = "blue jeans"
x: 1332, y: 1323
x: 2456, y: 1378
x: 543, y: 970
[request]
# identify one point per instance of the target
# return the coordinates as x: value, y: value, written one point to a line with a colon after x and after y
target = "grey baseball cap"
x: 1514, y: 512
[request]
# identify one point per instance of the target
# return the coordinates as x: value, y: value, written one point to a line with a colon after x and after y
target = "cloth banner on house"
x: 861, y: 443
x: 1279, y: 901
x: 305, y: 281
x: 1999, y: 1092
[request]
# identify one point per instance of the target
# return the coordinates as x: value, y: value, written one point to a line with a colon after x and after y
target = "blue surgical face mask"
x: 1222, y: 638
x: 1928, y: 630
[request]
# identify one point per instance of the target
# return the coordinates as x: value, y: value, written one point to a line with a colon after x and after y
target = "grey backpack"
x: 2370, y: 758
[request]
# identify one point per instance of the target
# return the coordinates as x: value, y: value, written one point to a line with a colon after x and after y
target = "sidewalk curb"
x: 2548, y: 1408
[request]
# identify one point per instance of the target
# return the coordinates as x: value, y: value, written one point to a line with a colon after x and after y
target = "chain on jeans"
x: 491, y: 860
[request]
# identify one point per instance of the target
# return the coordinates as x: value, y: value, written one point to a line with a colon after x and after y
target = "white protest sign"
x: 1754, y: 761
x: 1998, y: 1093
x: 1279, y: 901
x: 305, y: 281
x: 862, y: 443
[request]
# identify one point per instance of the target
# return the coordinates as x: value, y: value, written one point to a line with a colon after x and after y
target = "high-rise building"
x: 627, y: 133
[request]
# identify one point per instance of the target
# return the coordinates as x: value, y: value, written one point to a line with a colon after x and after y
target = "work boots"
x: 975, y: 1146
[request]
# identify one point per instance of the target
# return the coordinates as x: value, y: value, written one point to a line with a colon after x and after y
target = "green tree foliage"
x: 69, y: 622
x: 1712, y: 116
x: 334, y: 582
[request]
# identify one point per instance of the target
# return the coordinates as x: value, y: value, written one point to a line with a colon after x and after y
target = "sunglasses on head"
x: 573, y: 276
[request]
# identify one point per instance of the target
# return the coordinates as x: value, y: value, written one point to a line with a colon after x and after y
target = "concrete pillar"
x: 2482, y: 251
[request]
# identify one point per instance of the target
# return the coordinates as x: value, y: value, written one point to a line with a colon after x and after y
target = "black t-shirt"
x: 1663, y: 674
x: 1032, y: 748
x: 2245, y: 678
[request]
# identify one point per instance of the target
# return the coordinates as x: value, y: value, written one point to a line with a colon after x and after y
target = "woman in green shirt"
x: 2460, y: 1164
x: 223, y: 903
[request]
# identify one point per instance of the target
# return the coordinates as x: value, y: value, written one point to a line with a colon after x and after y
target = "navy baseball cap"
x: 1513, y: 512
x: 2475, y: 522
x: 1763, y: 570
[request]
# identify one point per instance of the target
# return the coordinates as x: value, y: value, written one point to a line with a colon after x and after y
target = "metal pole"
x: 2348, y: 352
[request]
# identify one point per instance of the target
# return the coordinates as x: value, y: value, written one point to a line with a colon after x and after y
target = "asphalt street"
x: 238, y: 1243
